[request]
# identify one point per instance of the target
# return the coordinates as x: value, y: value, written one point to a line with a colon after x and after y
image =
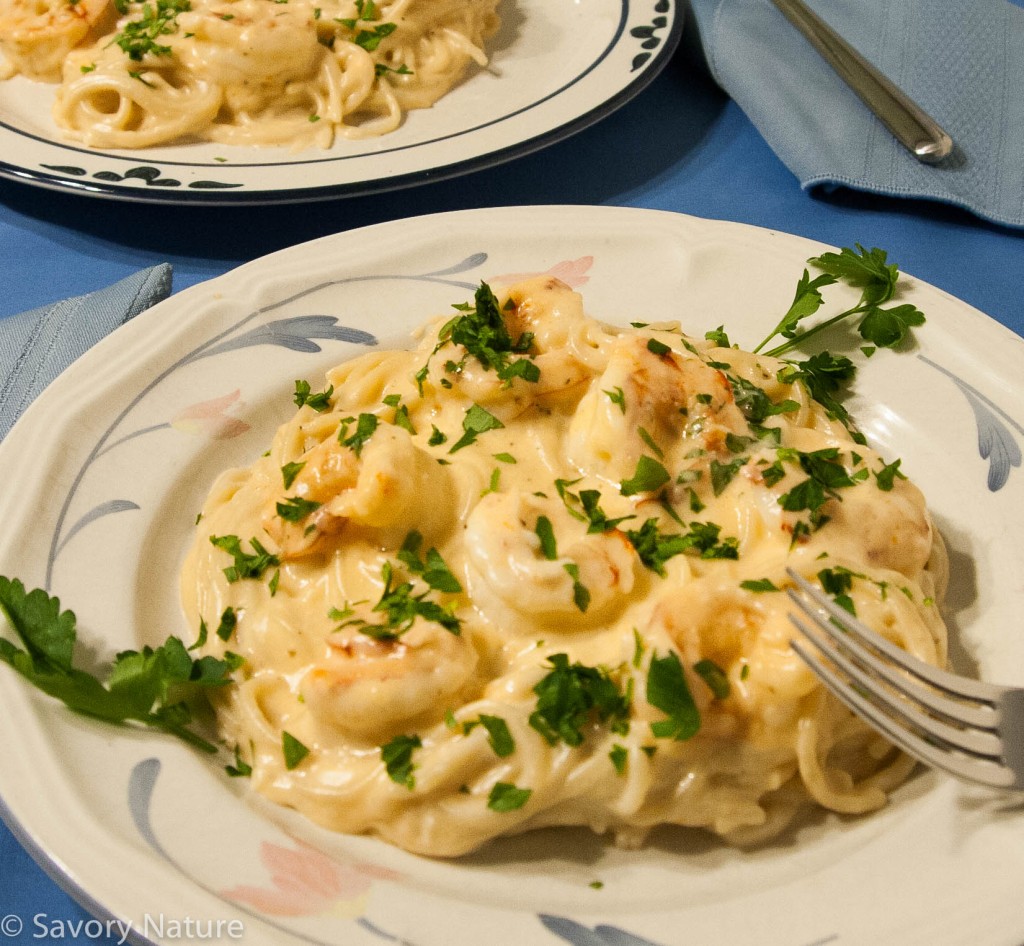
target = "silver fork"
x: 968, y: 728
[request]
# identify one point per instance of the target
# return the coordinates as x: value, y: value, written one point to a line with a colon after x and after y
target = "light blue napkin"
x: 37, y: 346
x: 961, y: 60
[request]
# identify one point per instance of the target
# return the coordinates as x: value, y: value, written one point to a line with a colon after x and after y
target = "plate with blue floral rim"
x: 555, y: 68
x: 104, y: 475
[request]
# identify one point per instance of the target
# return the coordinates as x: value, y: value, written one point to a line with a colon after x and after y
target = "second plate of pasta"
x: 255, y: 101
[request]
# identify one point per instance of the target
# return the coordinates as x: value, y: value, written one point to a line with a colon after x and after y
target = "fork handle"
x: 914, y: 128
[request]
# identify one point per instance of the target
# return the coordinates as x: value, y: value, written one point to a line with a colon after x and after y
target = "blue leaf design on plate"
x: 98, y: 512
x: 141, y: 783
x: 600, y: 935
x: 296, y: 334
x: 996, y: 442
x: 470, y: 262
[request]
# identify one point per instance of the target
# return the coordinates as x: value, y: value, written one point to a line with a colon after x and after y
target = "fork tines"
x: 952, y: 723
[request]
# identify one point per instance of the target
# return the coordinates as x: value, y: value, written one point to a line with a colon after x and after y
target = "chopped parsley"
x: 498, y: 734
x: 648, y: 477
x: 668, y: 691
x: 433, y: 569
x: 886, y: 477
x: 481, y: 330
x: 580, y: 592
x: 397, y: 758
x: 400, y: 608
x: 655, y: 547
x: 228, y: 623
x: 366, y: 426
x: 571, y: 696
x: 139, y: 38
x: 304, y: 397
x: 293, y: 750
x: 246, y: 564
x: 546, y: 535
x: 477, y: 421
x: 714, y: 676
x: 288, y: 473
x: 505, y: 796
x: 295, y: 508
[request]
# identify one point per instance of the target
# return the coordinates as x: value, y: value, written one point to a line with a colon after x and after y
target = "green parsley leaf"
x: 304, y: 397
x: 654, y: 547
x: 295, y: 508
x: 617, y: 397
x: 546, y: 533
x: 505, y: 796
x: 241, y: 768
x: 498, y: 735
x: 806, y: 302
x: 648, y: 477
x: 401, y: 607
x: 570, y: 696
x: 228, y: 623
x: 288, y: 473
x: 293, y: 750
x: 714, y: 676
x: 477, y: 421
x: 668, y: 691
x: 366, y: 426
x: 718, y: 336
x: 247, y: 564
x: 397, y: 758
x: 759, y: 585
x: 722, y: 474
x: 886, y: 477
x: 580, y: 592
x: 867, y: 270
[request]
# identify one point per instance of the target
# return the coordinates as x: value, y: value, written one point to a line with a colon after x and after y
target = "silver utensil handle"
x: 911, y: 125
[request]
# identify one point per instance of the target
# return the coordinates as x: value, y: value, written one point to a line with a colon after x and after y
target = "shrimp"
x: 669, y: 400
x: 381, y: 487
x: 369, y: 687
x: 37, y: 35
x: 549, y: 315
x: 508, y: 560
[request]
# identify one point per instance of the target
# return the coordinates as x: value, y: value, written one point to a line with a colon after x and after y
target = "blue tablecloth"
x: 682, y: 145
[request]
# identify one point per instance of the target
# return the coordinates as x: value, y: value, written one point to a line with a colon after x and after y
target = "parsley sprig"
x: 867, y: 270
x: 154, y: 687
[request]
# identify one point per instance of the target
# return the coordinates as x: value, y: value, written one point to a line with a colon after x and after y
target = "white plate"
x: 105, y: 472
x: 555, y: 69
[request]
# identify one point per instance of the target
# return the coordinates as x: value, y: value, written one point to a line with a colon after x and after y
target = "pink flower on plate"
x: 305, y: 881
x: 211, y: 418
x: 572, y: 272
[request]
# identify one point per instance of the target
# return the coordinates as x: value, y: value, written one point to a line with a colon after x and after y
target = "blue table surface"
x: 681, y: 145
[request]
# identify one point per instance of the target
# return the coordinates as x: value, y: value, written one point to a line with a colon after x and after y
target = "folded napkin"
x: 961, y: 60
x: 38, y: 345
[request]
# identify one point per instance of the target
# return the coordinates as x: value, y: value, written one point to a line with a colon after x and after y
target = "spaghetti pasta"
x: 301, y: 73
x: 531, y: 572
